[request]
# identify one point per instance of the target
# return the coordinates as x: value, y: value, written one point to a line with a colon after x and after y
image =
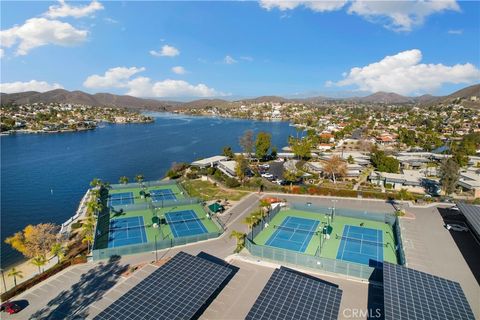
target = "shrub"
x: 388, y: 185
x: 192, y: 175
x: 76, y: 225
x: 231, y: 182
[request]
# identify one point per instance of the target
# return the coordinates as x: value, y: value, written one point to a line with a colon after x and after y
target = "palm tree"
x: 15, y: 273
x: 240, y: 237
x: 251, y: 221
x: 39, y: 261
x: 88, y: 238
x: 96, y: 182
x: 123, y: 180
x: 57, y: 251
x: 139, y: 178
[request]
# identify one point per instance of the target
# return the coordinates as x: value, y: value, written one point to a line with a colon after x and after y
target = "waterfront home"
x: 228, y: 167
x: 209, y: 162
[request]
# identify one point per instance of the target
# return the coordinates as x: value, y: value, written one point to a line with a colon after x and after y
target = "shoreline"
x: 28, y: 131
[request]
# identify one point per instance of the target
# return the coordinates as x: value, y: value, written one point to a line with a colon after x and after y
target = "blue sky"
x: 239, y: 49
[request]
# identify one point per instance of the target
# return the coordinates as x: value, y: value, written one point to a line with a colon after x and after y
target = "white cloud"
x: 456, y: 32
x: 179, y: 70
x: 166, y: 51
x: 404, y: 74
x: 2, y: 53
x: 110, y: 20
x: 65, y: 10
x: 247, y: 58
x: 37, y: 32
x: 32, y: 85
x: 229, y: 60
x: 317, y: 6
x: 395, y: 15
x: 114, y: 77
x: 400, y: 15
x: 121, y: 77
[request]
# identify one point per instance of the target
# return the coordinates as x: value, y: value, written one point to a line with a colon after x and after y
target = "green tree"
x: 246, y: 142
x: 123, y: 180
x: 383, y: 162
x: 96, y: 183
x: 241, y: 167
x: 228, y: 152
x: 240, y: 237
x: 449, y: 175
x: 262, y: 145
x: 14, y: 273
x: 350, y: 159
x: 300, y: 147
x: 274, y: 152
x: 39, y: 261
x: 57, y: 251
x: 251, y: 221
x: 139, y: 178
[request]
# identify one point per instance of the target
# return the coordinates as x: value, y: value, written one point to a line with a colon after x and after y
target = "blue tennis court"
x: 120, y: 199
x: 162, y: 194
x: 185, y: 223
x: 361, y: 245
x: 294, y: 234
x: 126, y: 231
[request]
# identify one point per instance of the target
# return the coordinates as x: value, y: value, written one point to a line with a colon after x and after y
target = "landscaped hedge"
x: 322, y: 191
x: 71, y: 259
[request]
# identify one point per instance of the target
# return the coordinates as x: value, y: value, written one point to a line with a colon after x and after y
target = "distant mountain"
x: 384, y: 98
x: 111, y: 100
x: 79, y: 97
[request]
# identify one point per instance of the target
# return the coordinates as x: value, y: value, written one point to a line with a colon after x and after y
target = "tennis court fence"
x: 352, y: 213
x: 174, y: 203
x: 147, y: 184
x: 315, y: 263
x: 106, y: 253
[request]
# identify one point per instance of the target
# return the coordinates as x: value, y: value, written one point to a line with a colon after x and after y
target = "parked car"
x: 456, y: 227
x: 267, y: 175
x: 10, y: 307
x: 264, y: 166
x: 278, y: 181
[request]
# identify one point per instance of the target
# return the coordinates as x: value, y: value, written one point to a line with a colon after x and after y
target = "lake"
x: 44, y: 176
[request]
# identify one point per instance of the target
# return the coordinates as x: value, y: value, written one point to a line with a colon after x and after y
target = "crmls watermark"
x: 354, y: 313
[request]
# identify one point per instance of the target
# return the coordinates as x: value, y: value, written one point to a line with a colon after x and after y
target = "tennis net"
x: 295, y: 229
x: 186, y: 220
x: 362, y: 241
x: 118, y: 228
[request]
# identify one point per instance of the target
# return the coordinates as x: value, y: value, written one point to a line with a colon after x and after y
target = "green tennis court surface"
x: 330, y: 243
x: 137, y: 194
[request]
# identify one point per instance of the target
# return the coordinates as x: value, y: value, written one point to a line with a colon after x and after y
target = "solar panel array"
x: 177, y: 290
x: 290, y: 295
x: 411, y: 294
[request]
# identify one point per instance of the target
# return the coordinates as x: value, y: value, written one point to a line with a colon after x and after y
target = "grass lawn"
x: 330, y: 246
x: 208, y: 191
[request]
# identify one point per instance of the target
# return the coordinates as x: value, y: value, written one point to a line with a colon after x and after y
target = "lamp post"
x: 156, y: 251
x: 4, y: 283
x: 333, y: 208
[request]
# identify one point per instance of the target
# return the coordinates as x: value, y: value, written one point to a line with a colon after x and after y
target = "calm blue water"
x: 43, y: 177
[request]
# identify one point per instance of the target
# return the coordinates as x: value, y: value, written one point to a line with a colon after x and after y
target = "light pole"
x: 333, y: 208
x: 4, y: 283
x: 156, y: 252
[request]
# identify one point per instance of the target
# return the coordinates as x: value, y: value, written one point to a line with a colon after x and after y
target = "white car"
x: 267, y: 175
x: 456, y: 227
x: 278, y: 181
x: 455, y: 208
